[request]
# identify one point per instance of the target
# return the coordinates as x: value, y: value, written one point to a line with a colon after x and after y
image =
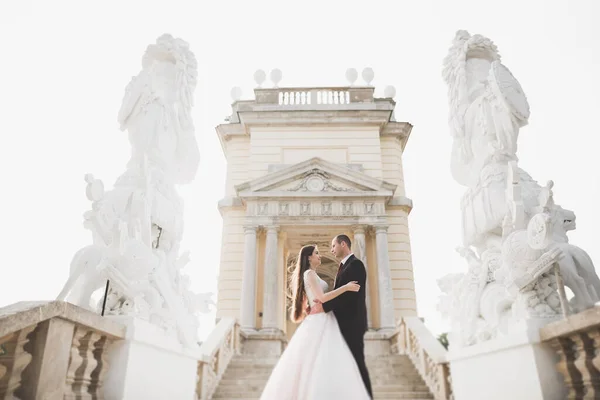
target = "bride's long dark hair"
x: 297, y: 284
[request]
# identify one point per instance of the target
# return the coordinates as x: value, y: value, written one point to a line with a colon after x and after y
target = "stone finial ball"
x: 389, y: 92
x: 351, y: 75
x: 276, y: 76
x: 368, y: 75
x: 259, y: 76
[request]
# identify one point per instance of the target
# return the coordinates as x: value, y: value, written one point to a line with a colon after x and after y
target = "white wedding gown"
x: 317, y: 363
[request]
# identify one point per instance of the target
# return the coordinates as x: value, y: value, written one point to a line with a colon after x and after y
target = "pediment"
x: 316, y: 178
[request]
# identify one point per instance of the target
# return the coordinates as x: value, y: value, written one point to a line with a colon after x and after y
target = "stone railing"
x: 216, y: 353
x: 54, y: 350
x: 576, y: 340
x: 413, y: 339
x: 314, y: 96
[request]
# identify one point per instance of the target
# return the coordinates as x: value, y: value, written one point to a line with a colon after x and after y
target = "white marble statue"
x: 137, y: 226
x: 513, y: 234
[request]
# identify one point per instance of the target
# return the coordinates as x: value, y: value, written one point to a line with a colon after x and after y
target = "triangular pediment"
x: 315, y: 177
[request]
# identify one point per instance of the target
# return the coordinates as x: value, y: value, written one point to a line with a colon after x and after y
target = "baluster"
x: 297, y: 98
x: 13, y: 360
x: 81, y: 364
x: 303, y: 97
x: 319, y: 97
x: 98, y: 374
x: 347, y: 96
x: 584, y: 346
x: 593, y: 362
x: 336, y: 97
x: 565, y: 349
x: 280, y: 97
x: 329, y: 97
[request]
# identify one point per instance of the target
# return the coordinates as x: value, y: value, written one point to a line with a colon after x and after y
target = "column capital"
x: 250, y: 228
x: 359, y: 229
x: 381, y: 228
x: 272, y: 228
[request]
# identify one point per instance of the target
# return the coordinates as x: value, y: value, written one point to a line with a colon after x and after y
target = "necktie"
x: 339, y: 270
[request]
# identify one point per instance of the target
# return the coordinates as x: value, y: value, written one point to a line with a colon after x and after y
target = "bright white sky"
x: 65, y: 65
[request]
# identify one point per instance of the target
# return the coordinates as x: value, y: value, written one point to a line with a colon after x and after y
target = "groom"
x: 350, y: 308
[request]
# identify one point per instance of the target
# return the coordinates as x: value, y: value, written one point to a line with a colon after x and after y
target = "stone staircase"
x: 392, y: 376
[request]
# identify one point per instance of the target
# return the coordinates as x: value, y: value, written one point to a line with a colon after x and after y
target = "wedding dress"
x: 317, y: 363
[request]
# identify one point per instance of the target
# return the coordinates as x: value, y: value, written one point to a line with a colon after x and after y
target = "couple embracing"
x: 325, y: 357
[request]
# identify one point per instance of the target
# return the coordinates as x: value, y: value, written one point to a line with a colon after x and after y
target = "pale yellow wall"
x: 401, y: 264
x: 391, y: 154
x: 287, y: 145
x: 238, y: 157
x: 232, y: 263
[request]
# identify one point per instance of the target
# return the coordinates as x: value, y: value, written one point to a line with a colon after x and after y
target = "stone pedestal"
x: 377, y: 344
x: 516, y: 367
x: 263, y: 344
x: 150, y: 364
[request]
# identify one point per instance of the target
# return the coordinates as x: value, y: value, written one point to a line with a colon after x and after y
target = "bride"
x: 317, y: 363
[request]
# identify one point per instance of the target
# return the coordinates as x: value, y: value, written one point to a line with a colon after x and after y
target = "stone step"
x: 250, y: 366
x: 402, y: 380
x: 402, y: 395
x: 376, y: 396
x: 393, y: 372
x: 251, y: 361
x: 399, y: 387
x: 247, y: 372
x: 392, y: 377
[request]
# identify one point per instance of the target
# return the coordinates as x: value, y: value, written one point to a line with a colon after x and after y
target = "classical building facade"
x: 305, y: 164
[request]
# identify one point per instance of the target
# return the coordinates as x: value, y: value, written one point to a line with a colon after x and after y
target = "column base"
x: 263, y: 343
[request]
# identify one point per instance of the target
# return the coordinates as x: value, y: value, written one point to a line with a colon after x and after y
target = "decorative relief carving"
x: 324, y: 208
x: 347, y: 209
x: 304, y: 208
x: 263, y: 209
x: 284, y: 209
x: 315, y: 184
x: 317, y: 180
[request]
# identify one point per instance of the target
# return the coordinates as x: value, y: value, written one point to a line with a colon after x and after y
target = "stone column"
x: 248, y: 302
x: 386, y: 296
x: 271, y: 284
x: 360, y: 251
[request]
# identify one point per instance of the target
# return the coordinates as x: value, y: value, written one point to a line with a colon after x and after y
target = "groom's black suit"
x: 351, y: 312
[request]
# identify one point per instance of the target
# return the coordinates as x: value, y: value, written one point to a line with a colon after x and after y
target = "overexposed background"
x: 65, y: 64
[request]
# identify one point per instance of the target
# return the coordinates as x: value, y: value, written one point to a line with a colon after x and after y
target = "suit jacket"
x: 350, y: 307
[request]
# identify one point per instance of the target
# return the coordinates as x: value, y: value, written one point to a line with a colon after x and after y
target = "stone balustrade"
x: 413, y: 339
x: 216, y: 354
x: 314, y: 96
x: 576, y: 340
x: 54, y: 350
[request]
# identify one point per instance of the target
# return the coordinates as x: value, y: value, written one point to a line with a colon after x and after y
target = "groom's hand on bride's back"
x: 317, y: 308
